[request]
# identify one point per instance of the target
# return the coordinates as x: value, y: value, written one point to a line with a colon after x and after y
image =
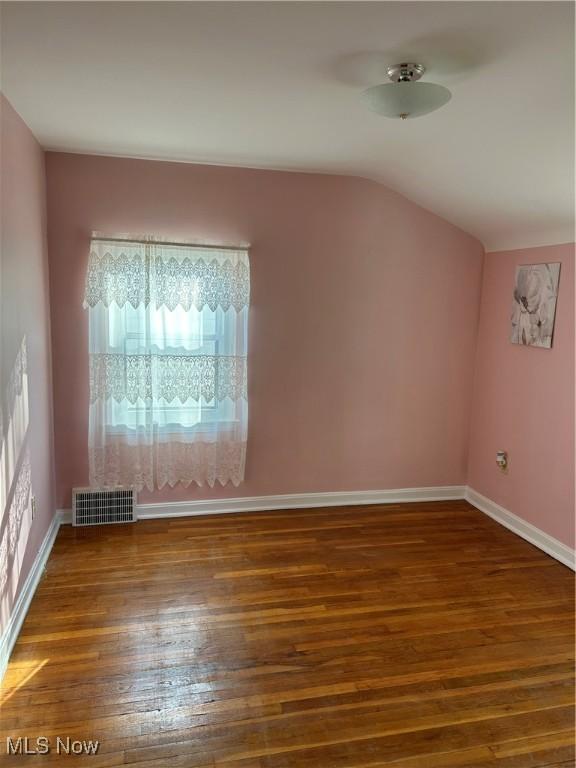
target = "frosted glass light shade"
x: 406, y: 100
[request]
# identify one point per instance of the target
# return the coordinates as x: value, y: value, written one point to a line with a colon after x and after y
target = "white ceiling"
x: 277, y: 85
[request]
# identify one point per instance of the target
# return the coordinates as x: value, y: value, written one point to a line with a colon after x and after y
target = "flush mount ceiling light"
x: 404, y: 97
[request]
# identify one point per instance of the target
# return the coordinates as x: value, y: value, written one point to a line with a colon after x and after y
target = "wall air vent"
x: 102, y: 506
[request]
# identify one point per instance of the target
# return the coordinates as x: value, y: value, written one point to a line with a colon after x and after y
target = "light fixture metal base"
x: 405, y: 73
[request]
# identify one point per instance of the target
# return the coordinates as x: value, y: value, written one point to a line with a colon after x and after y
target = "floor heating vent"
x: 94, y: 506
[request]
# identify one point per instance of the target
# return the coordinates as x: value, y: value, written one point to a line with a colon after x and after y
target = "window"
x: 168, y: 343
x: 148, y: 344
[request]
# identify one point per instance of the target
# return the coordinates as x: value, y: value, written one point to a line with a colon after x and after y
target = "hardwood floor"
x: 411, y: 636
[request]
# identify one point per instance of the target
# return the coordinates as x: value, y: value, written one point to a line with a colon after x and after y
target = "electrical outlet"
x: 33, y: 504
x: 502, y: 460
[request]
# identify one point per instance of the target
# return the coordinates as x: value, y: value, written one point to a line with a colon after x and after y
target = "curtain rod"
x: 165, y: 242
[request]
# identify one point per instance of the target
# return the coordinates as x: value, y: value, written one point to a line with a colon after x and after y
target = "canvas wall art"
x: 534, y: 305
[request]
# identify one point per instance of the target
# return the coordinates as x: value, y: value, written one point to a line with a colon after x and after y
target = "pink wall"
x: 362, y: 327
x: 524, y: 401
x: 26, y: 450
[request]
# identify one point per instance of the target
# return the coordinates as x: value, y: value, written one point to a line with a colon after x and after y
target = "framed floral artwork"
x: 534, y: 305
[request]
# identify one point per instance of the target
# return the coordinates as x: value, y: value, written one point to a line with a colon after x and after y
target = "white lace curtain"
x: 167, y: 354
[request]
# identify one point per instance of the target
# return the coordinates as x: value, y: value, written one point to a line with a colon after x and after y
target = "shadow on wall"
x: 15, y: 481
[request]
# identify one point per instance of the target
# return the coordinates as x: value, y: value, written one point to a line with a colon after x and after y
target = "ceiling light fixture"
x: 404, y: 97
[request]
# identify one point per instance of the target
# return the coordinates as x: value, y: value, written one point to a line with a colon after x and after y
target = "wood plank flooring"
x: 410, y: 636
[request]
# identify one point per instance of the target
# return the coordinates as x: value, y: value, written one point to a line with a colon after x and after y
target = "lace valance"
x: 166, y: 275
x: 167, y: 377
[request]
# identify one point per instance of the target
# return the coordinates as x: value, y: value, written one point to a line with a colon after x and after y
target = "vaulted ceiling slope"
x: 277, y: 85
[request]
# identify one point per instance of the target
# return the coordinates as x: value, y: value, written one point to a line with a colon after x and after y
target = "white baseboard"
x: 526, y: 530
x: 299, y: 501
x: 20, y: 607
x: 290, y: 501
